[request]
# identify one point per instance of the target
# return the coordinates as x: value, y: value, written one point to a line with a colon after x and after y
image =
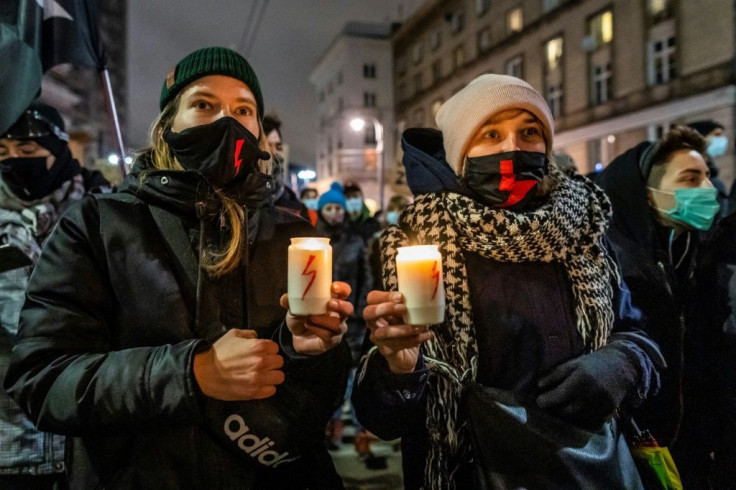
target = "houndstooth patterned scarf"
x: 567, y: 229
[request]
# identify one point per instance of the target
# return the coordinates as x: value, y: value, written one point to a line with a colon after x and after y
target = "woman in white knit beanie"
x: 535, y: 318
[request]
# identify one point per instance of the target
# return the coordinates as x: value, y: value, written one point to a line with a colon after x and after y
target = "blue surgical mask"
x: 695, y: 207
x: 392, y: 217
x: 717, y: 146
x: 354, y: 205
x: 311, y: 203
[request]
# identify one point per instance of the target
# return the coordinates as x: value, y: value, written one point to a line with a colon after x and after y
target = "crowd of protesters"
x: 146, y: 339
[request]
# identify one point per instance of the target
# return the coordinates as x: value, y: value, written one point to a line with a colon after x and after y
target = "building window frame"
x: 457, y: 22
x: 601, y: 81
x: 482, y: 7
x: 459, y: 57
x: 369, y: 99
x: 369, y: 70
x: 662, y: 59
x: 515, y: 66
x: 515, y: 20
x: 483, y: 40
x: 555, y: 95
x: 600, y: 28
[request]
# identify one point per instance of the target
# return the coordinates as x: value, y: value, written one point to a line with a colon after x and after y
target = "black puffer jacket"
x: 107, y: 340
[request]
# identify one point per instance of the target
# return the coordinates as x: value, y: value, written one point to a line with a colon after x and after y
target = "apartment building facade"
x: 354, y: 81
x: 614, y: 72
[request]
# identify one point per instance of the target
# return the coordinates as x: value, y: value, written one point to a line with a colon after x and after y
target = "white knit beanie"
x: 460, y: 117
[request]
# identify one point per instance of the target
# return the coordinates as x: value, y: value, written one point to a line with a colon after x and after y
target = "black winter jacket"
x: 107, y: 340
x: 524, y: 326
x: 681, y: 416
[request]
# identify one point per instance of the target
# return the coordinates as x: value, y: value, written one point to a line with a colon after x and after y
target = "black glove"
x: 588, y: 389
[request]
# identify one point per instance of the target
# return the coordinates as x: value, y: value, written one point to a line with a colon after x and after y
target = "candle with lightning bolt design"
x: 310, y: 275
x: 419, y: 271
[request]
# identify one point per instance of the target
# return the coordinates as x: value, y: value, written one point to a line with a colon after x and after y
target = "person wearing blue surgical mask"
x: 358, y: 214
x: 663, y: 202
x: 716, y: 147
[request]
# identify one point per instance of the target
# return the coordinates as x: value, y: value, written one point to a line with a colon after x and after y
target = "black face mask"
x: 223, y: 152
x: 29, y: 179
x: 505, y: 179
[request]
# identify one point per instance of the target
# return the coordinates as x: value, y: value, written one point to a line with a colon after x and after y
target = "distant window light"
x: 515, y: 20
x: 369, y: 70
x: 553, y: 53
x: 600, y: 28
x: 657, y: 7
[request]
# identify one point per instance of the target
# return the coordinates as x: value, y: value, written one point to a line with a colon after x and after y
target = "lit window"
x: 515, y: 20
x: 657, y: 7
x: 553, y: 53
x: 601, y: 28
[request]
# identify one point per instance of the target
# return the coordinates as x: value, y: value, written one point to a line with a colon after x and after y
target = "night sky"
x: 291, y: 38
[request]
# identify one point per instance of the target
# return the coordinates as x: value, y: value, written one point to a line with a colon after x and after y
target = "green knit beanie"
x: 211, y: 61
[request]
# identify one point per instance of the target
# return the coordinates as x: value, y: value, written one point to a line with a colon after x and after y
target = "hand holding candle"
x: 419, y: 273
x: 310, y: 275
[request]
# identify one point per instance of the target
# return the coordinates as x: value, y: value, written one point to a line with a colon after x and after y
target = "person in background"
x: 716, y: 146
x: 534, y: 309
x: 394, y: 208
x: 359, y: 215
x: 155, y: 333
x: 310, y: 198
x: 663, y: 202
x: 284, y: 197
x: 349, y: 265
x: 39, y: 180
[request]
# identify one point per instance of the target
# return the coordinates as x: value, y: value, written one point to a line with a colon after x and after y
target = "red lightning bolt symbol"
x: 238, y: 161
x: 436, y: 277
x: 517, y: 188
x: 306, y: 272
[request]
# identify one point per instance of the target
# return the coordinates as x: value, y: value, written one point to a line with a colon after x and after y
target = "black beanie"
x: 210, y: 61
x: 705, y: 127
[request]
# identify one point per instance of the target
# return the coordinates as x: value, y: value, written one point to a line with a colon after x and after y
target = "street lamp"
x: 357, y: 124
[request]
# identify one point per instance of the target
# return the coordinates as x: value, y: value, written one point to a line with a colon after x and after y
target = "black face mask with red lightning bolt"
x: 223, y: 152
x: 505, y: 179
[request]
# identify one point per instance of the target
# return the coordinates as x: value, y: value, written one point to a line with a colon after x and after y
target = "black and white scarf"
x: 567, y: 229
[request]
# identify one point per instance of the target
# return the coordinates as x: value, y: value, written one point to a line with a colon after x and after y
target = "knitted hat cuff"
x: 464, y: 113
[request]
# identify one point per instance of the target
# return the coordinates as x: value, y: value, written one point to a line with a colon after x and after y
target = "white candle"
x: 310, y: 275
x: 419, y: 271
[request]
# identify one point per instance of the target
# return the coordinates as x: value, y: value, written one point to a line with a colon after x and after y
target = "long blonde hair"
x: 216, y: 262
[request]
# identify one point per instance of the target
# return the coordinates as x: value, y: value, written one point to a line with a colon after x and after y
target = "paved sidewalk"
x: 382, y: 471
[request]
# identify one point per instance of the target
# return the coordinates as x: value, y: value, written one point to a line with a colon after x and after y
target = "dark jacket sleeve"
x: 389, y: 405
x: 67, y: 373
x: 629, y: 336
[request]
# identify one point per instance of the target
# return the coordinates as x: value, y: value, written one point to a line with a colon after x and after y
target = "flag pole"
x: 116, y: 123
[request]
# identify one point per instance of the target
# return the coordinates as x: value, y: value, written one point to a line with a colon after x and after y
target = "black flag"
x: 36, y: 35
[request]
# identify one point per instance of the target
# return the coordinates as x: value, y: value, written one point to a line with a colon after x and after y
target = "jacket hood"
x: 424, y: 160
x: 623, y: 182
